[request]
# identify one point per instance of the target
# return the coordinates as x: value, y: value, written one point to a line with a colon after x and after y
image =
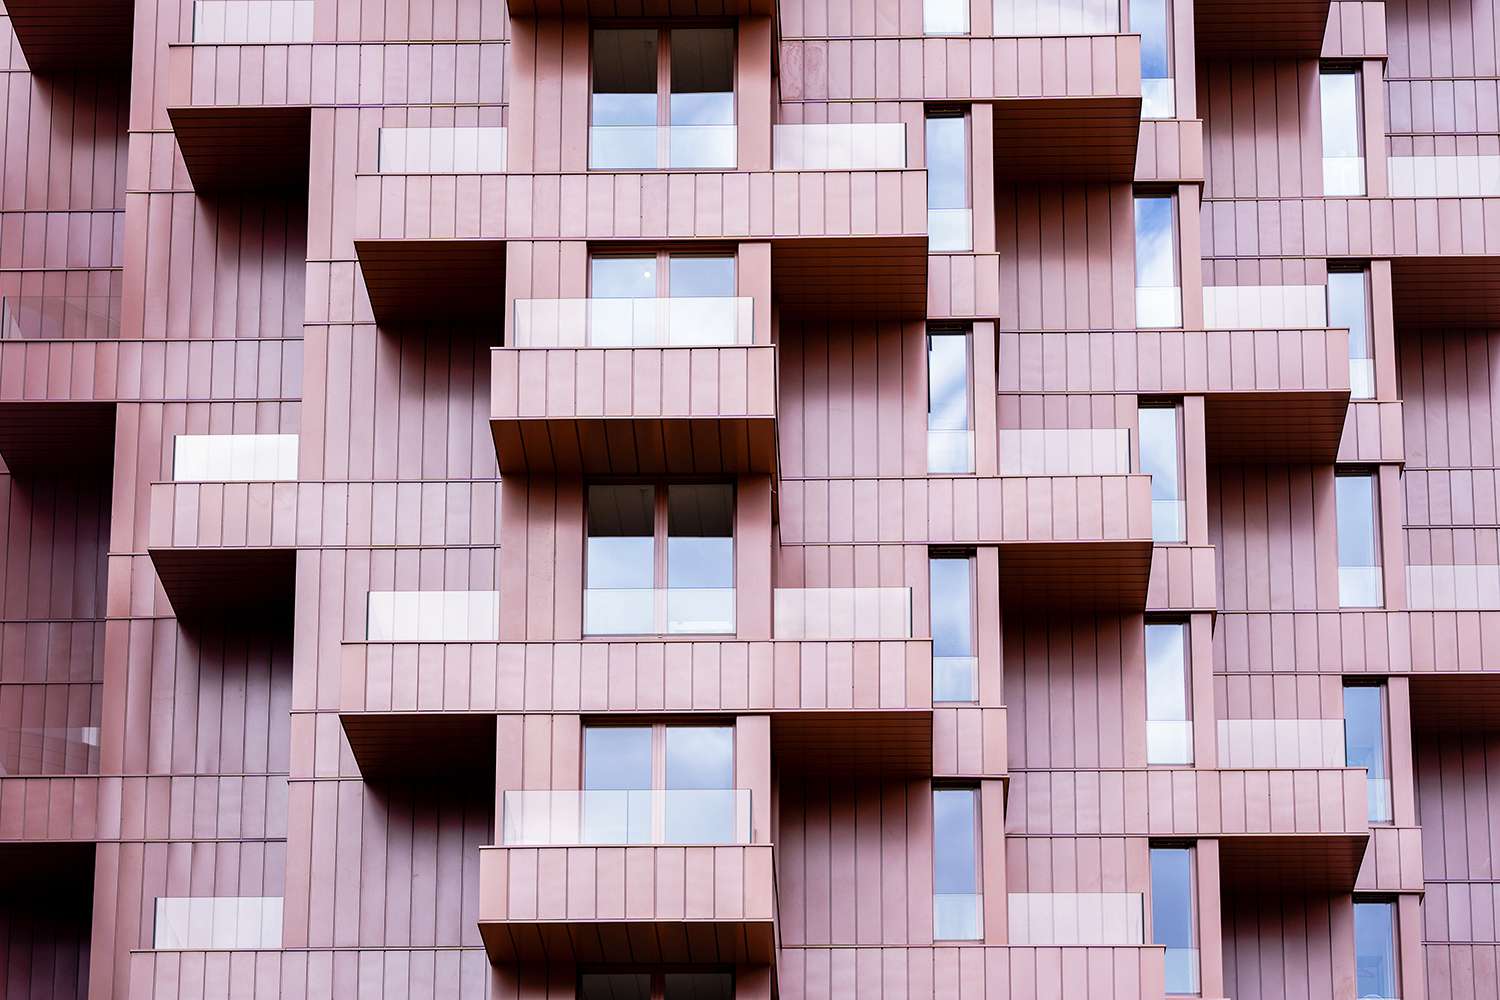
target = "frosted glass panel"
x: 468, y: 150
x: 1076, y: 918
x: 842, y: 613
x: 234, y: 457
x: 848, y: 146
x: 433, y: 616
x: 217, y: 922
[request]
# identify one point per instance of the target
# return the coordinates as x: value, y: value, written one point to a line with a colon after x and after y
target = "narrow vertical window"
x: 630, y: 128
x: 1343, y: 152
x: 1364, y: 744
x: 950, y: 444
x: 702, y: 132
x: 1173, y: 916
x: 1151, y: 19
x: 620, y: 561
x: 956, y: 913
x: 1158, y: 295
x: 1375, y: 949
x: 1360, y: 581
x: 945, y: 17
x: 1169, y: 727
x: 700, y: 558
x: 949, y: 220
x: 1349, y: 308
x: 1161, y: 459
x: 953, y: 662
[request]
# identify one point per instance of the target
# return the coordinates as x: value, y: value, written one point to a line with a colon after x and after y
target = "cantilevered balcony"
x: 69, y: 35
x: 1244, y: 28
x: 658, y: 875
x: 659, y: 385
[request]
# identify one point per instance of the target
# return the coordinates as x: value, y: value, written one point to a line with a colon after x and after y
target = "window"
x: 945, y: 17
x: 1364, y: 744
x: 647, y: 299
x: 1161, y: 459
x: 1360, y: 581
x: 956, y: 913
x: 1158, y: 297
x: 1349, y: 308
x: 950, y: 444
x: 692, y: 526
x: 949, y: 221
x: 687, y: 985
x: 1375, y: 949
x: 661, y: 785
x: 1169, y: 727
x: 1343, y: 156
x: 631, y: 129
x: 1173, y: 915
x: 1151, y: 19
x: 953, y: 662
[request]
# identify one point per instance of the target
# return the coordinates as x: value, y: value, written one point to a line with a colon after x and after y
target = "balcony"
x: 59, y: 36
x: 1288, y: 29
x: 629, y: 386
x: 657, y: 875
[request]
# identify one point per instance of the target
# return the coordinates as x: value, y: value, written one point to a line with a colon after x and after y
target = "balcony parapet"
x: 1121, y: 972
x: 49, y: 808
x: 1183, y: 578
x: 223, y: 545
x: 441, y: 972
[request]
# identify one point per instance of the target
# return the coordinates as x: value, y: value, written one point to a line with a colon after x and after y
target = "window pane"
x: 692, y: 277
x: 1159, y: 460
x: 622, y: 277
x: 614, y: 986
x: 1374, y: 950
x: 624, y: 76
x: 699, y: 805
x: 1348, y: 307
x: 1356, y: 520
x: 949, y: 447
x: 703, y: 76
x: 1155, y: 249
x: 1149, y: 17
x: 1172, y: 915
x: 1364, y: 743
x: 955, y: 876
x: 620, y: 560
x: 698, y: 986
x: 947, y: 162
x: 700, y: 558
x: 1169, y: 733
x: 616, y: 757
x: 952, y: 630
x: 1340, y: 97
x: 945, y: 17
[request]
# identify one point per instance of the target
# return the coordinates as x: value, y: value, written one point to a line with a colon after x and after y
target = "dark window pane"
x: 703, y: 76
x: 624, y: 76
x: 699, y: 986
x: 614, y: 986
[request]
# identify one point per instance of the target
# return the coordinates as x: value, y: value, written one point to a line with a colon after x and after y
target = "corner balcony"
x: 660, y: 875
x: 634, y: 386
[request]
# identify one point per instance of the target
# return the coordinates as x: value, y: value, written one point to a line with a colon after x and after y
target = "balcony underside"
x: 206, y: 581
x: 1246, y: 29
x: 57, y: 437
x: 1072, y: 138
x: 1281, y: 863
x: 885, y: 743
x: 1450, y: 704
x: 675, y: 942
x: 624, y: 10
x: 434, y: 281
x: 1445, y: 292
x: 241, y: 149
x: 64, y: 35
x: 1289, y: 426
x: 851, y: 277
x: 422, y: 745
x: 625, y: 446
x: 1093, y: 575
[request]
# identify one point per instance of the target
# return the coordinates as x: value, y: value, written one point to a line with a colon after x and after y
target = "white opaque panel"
x: 217, y: 922
x: 950, y: 230
x: 847, y: 146
x: 447, y: 150
x: 1343, y: 176
x: 234, y: 457
x: 1257, y: 743
x: 433, y: 616
x: 684, y: 321
x: 957, y: 916
x: 1064, y: 451
x: 1265, y: 307
x: 953, y: 678
x: 1168, y: 520
x: 1158, y: 307
x: 1475, y: 176
x: 1361, y: 587
x: 1077, y: 918
x: 1158, y: 98
x: 1453, y: 588
x: 1362, y: 378
x: 842, y: 613
x: 945, y: 17
x: 254, y: 21
x: 950, y: 452
x: 1169, y: 741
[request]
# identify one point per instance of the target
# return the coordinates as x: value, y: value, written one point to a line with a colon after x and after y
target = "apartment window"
x: 953, y: 662
x: 1360, y: 580
x: 1349, y: 308
x: 945, y: 17
x: 1173, y: 915
x: 660, y: 785
x: 631, y: 128
x: 950, y: 442
x: 684, y: 985
x: 1151, y: 19
x: 1161, y: 459
x: 956, y: 904
x: 1343, y: 152
x: 1364, y: 744
x: 659, y: 559
x: 1158, y: 294
x: 647, y: 299
x: 1375, y: 949
x: 949, y: 219
x: 1169, y: 727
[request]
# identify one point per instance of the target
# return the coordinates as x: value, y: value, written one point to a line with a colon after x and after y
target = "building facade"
x: 690, y: 499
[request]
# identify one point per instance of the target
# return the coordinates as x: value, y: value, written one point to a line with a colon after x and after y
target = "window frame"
x: 658, y: 730
x: 965, y: 331
x: 1191, y: 847
x: 663, y: 257
x: 1186, y: 627
x: 1179, y: 452
x: 1380, y: 685
x: 1390, y: 901
x: 1377, y: 547
x: 1361, y: 268
x: 969, y: 556
x: 974, y: 790
x: 657, y: 972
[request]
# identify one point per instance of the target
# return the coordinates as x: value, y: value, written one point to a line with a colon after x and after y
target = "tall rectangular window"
x: 1349, y: 308
x: 1375, y: 972
x: 956, y: 903
x: 1343, y: 150
x: 628, y: 525
x: 949, y: 218
x: 950, y: 441
x: 953, y: 663
x: 660, y: 785
x: 1361, y: 584
x: 1174, y: 915
x: 945, y: 17
x: 1169, y: 727
x: 1161, y: 459
x: 1364, y: 744
x: 631, y: 128
x: 1152, y: 19
x: 1158, y: 293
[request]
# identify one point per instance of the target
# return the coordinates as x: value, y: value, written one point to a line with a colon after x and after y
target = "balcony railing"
x: 473, y: 149
x: 1169, y: 741
x: 844, y: 146
x: 1362, y: 378
x: 650, y: 147
x: 1064, y: 451
x: 252, y: 21
x: 957, y: 916
x: 950, y: 230
x: 1361, y: 587
x: 1168, y: 520
x: 820, y: 613
x: 218, y: 922
x: 1056, y: 17
x: 652, y: 816
x: 645, y: 611
x: 1076, y: 918
x: 653, y: 322
x: 48, y: 750
x: 953, y: 678
x: 1452, y: 588
x: 1263, y: 743
x: 234, y: 458
x: 950, y: 451
x: 60, y: 317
